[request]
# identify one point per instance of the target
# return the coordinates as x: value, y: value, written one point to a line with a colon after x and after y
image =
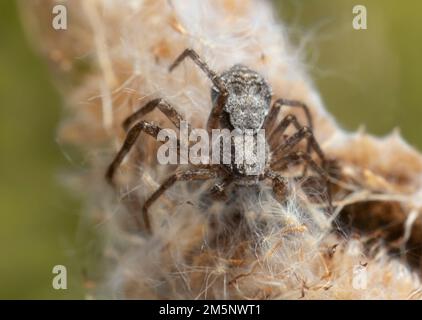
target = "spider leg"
x: 188, y: 175
x: 131, y: 137
x: 279, y: 184
x: 281, y: 128
x: 272, y: 116
x: 295, y: 139
x: 216, y: 112
x: 169, y: 111
x: 305, y: 157
x: 275, y: 110
x: 190, y: 53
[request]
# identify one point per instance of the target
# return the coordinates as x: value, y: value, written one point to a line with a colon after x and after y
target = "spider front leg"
x: 190, y: 53
x: 131, y: 137
x: 188, y: 175
x: 169, y: 111
x: 215, y: 115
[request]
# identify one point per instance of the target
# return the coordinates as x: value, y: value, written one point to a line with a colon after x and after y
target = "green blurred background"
x: 368, y: 77
x: 39, y: 217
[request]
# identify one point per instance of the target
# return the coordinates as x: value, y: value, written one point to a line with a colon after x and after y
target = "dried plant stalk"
x: 114, y: 57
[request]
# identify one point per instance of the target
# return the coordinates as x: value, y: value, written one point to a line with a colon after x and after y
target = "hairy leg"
x: 214, y: 117
x: 131, y: 137
x: 290, y: 143
x: 274, y: 136
x: 188, y: 175
x: 190, y: 53
x: 169, y: 111
x: 278, y: 104
x: 275, y: 110
x: 294, y: 140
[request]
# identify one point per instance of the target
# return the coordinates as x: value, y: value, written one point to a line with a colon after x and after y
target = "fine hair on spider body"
x: 241, y: 101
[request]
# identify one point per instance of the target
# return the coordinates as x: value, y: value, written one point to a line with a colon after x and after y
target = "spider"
x: 241, y: 100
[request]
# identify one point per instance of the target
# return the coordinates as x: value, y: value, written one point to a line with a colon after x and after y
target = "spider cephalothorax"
x: 248, y: 100
x: 241, y: 101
